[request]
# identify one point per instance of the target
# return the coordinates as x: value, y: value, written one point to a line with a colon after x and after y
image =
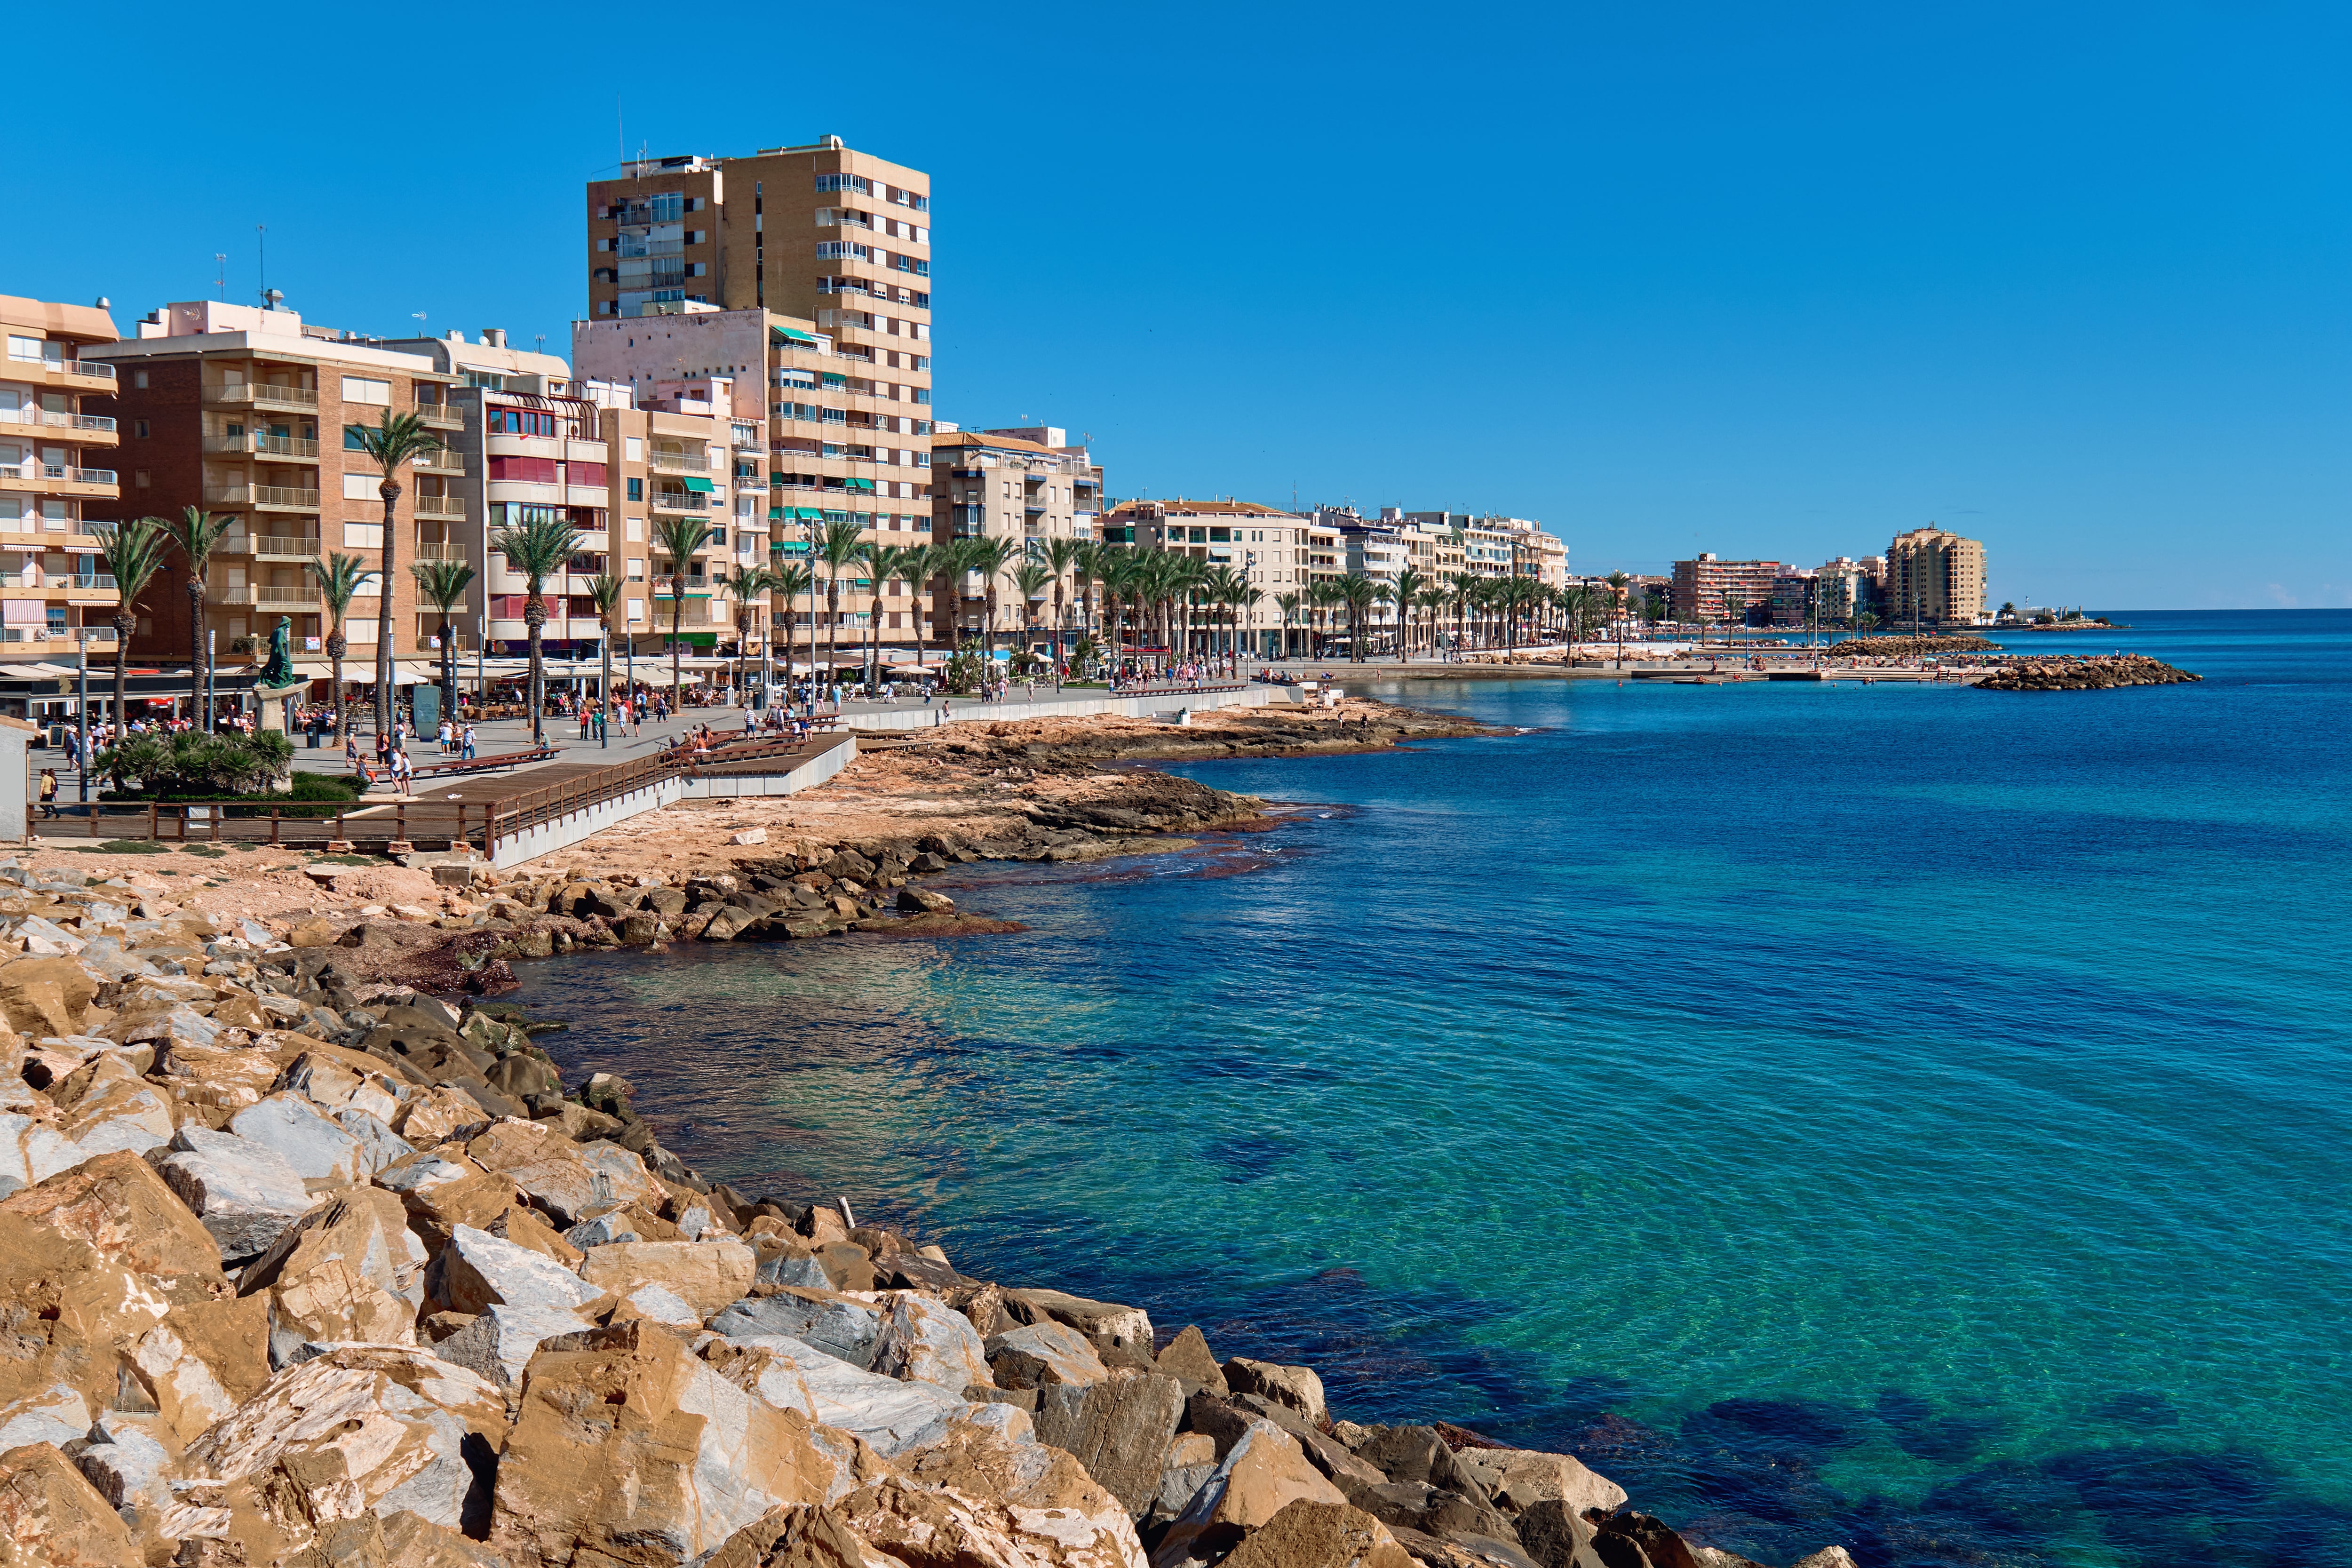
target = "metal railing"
x: 682, y: 461
x: 285, y: 495
x: 440, y: 506
x: 430, y: 550
x: 439, y: 413
x: 441, y: 460
x: 95, y: 372
x: 286, y: 546
x: 285, y: 446
x: 57, y: 419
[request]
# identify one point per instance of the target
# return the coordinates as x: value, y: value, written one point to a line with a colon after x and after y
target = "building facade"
x: 1849, y: 587
x: 1027, y: 486
x: 1936, y: 576
x: 250, y: 413
x: 56, y: 474
x: 1712, y: 590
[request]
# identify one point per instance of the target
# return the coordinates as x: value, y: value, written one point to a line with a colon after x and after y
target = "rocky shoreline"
x: 311, y: 1268
x: 2074, y: 672
x: 1906, y: 647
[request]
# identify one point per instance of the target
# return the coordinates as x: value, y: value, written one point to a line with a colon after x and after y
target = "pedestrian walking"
x: 466, y: 743
x: 49, y: 792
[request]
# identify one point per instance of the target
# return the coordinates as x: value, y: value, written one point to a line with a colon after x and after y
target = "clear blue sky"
x: 1771, y: 282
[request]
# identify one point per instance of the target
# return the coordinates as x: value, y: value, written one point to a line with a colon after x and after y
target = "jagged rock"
x: 380, y: 1146
x: 332, y: 1083
x: 892, y: 1417
x: 32, y: 1151
x: 798, y: 1537
x: 845, y: 1329
x: 58, y: 1413
x: 351, y: 1270
x: 1827, y: 1557
x: 705, y: 1275
x: 630, y: 1451
x: 117, y: 1206
x: 356, y: 1429
x: 498, y: 1344
x: 1518, y: 1479
x: 317, y: 1148
x: 1035, y: 1354
x: 434, y: 1115
x: 1658, y: 1542
x: 399, y: 1540
x: 1319, y: 1535
x: 1106, y: 1325
x: 1554, y: 1532
x: 984, y: 1499
x: 654, y: 1304
x: 1262, y: 1474
x: 847, y: 1264
x: 569, y: 1180
x: 126, y: 1465
x: 44, y: 996
x: 244, y: 1192
x: 1295, y: 1387
x: 1120, y: 1430
x: 1191, y: 1460
x: 51, y: 1517
x: 1188, y: 1361
x: 923, y: 1340
x: 476, y: 1269
x: 116, y: 1111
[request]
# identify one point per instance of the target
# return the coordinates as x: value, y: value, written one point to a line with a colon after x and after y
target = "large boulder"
x: 631, y: 1450
x: 924, y: 1341
x: 1106, y: 1325
x: 982, y: 1498
x: 31, y: 1150
x: 499, y: 1343
x: 705, y: 1275
x: 1519, y: 1479
x: 317, y: 1148
x: 335, y: 1081
x: 116, y: 1110
x: 1039, y: 1353
x: 1295, y: 1387
x: 51, y: 1517
x: 846, y: 1329
x: 117, y: 1206
x: 892, y: 1417
x: 1319, y: 1535
x: 1261, y: 1474
x: 476, y: 1269
x: 357, y: 1429
x: 1119, y: 1430
x: 568, y: 1180
x: 351, y: 1270
x: 244, y: 1192
x: 1557, y: 1535
x: 44, y: 996
x: 1188, y: 1360
x: 799, y: 1537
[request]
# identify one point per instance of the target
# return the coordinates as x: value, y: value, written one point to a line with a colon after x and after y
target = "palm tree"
x: 989, y: 557
x: 747, y: 587
x: 1031, y: 578
x: 133, y: 552
x: 397, y: 439
x: 605, y: 590
x: 836, y: 546
x: 1356, y: 592
x: 1288, y: 605
x: 442, y: 584
x: 1457, y: 590
x: 791, y: 581
x: 1409, y: 584
x: 339, y: 577
x: 538, y: 548
x: 1064, y: 556
x: 884, y: 563
x: 1085, y: 563
x: 197, y: 534
x: 678, y: 538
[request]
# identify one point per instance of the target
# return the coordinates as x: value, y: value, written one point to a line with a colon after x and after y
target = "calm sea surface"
x: 1910, y: 1117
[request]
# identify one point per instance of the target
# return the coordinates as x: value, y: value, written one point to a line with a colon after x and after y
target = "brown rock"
x: 707, y: 1276
x: 1263, y: 1473
x: 1295, y: 1387
x: 117, y: 1206
x: 1120, y: 1430
x: 50, y: 1517
x: 564, y: 1178
x: 847, y: 1264
x: 1519, y: 1479
x: 1557, y: 1535
x: 1659, y: 1544
x: 630, y: 1451
x: 1188, y: 1361
x: 348, y: 1269
x: 798, y: 1537
x: 979, y: 1498
x: 1035, y: 1354
x: 400, y: 1539
x: 44, y: 996
x: 1106, y: 1325
x: 433, y: 1115
x: 1320, y: 1535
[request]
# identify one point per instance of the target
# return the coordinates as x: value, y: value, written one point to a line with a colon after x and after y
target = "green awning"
x: 807, y: 514
x: 775, y: 514
x: 700, y: 485
x: 787, y: 547
x: 861, y: 484
x: 792, y: 334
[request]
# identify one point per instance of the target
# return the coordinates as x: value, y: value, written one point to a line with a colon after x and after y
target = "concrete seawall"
x: 1147, y: 705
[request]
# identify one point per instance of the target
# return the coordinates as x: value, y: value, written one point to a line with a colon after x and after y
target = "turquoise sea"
x: 1908, y: 1117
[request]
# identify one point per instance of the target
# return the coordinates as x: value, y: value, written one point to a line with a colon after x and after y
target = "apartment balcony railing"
x: 66, y: 635
x: 280, y: 497
x: 99, y: 424
x: 440, y: 414
x: 260, y: 393
x: 436, y: 552
x: 440, y: 506
x: 59, y: 473
x: 284, y: 547
x: 264, y: 597
x: 680, y: 500
x: 680, y: 462
x: 441, y: 460
x: 93, y: 371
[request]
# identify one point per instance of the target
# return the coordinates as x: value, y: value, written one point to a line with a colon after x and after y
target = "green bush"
x: 201, y: 766
x: 324, y: 787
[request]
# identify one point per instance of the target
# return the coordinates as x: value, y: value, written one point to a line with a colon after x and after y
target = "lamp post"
x: 81, y: 704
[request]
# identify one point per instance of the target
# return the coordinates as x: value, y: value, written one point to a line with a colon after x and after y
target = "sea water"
x: 1897, y: 1115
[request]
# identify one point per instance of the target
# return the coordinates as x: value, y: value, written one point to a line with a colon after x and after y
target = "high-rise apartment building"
x: 249, y: 411
x: 1935, y: 576
x: 1029, y: 486
x: 1710, y: 591
x: 1849, y: 587
x: 57, y: 473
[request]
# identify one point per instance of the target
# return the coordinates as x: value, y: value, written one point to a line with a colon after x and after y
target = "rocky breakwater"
x: 1907, y: 648
x: 2078, y: 673
x: 305, y: 1269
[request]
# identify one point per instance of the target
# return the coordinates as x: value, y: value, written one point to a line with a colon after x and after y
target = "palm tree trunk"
x: 677, y: 629
x: 391, y: 493
x: 195, y: 647
x: 448, y: 671
x: 832, y: 625
x: 534, y: 613
x: 123, y: 626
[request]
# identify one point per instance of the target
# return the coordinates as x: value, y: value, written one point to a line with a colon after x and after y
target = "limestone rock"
x: 1119, y: 1430
x: 117, y: 1206
x: 51, y: 1517
x: 1518, y: 1479
x: 351, y: 1270
x: 799, y: 1537
x: 126, y: 1465
x: 654, y: 1304
x: 499, y: 1343
x: 317, y: 1148
x: 1295, y: 1387
x: 356, y: 1429
x: 477, y: 1269
x: 244, y: 1192
x: 982, y: 1498
x: 1191, y: 1460
x: 1827, y: 1557
x: 1658, y: 1542
x: 1039, y: 1353
x: 630, y: 1451
x: 923, y: 1340
x: 895, y: 1417
x: 705, y: 1275
x: 434, y: 1115
x: 1555, y: 1534
x: 1106, y: 1324
x: 1188, y: 1361
x: 32, y: 1151
x: 117, y: 1110
x: 58, y: 1413
x: 567, y: 1179
x: 1262, y: 1474
x: 841, y: 1328
x: 333, y: 1084
x: 399, y: 1540
x: 1319, y: 1535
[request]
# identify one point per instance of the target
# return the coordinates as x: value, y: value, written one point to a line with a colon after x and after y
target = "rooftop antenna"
x: 220, y: 265
x: 261, y: 245
x: 419, y: 317
x: 541, y: 338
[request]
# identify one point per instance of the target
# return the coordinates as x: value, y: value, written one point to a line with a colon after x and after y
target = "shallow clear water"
x: 1904, y: 1116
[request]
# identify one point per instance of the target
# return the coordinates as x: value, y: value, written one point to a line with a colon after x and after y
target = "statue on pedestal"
x: 280, y: 670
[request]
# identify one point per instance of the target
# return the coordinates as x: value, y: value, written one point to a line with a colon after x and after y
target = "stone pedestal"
x: 283, y: 696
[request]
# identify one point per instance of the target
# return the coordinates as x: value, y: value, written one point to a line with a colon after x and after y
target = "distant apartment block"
x: 1029, y: 486
x: 1849, y: 587
x: 56, y: 474
x: 1713, y: 591
x: 252, y: 413
x: 1935, y: 576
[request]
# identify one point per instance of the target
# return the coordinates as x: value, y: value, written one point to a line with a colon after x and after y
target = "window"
x: 844, y: 183
x: 632, y: 448
x: 367, y: 389
x: 605, y: 244
x: 923, y: 361
x: 351, y: 433
x: 361, y: 486
x: 527, y: 470
x: 364, y: 536
x: 24, y: 348
x: 695, y: 235
x: 139, y: 378
x: 138, y: 478
x: 839, y: 249
x: 518, y: 422
x: 139, y: 428
x: 922, y: 234
x: 637, y: 488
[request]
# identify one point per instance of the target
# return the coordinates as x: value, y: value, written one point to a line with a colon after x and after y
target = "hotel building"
x: 1710, y: 591
x: 1028, y: 484
x: 1936, y: 576
x: 56, y: 474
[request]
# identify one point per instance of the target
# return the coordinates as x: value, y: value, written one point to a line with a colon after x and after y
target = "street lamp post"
x: 81, y: 703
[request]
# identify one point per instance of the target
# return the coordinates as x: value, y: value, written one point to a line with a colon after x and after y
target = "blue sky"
x: 1769, y: 282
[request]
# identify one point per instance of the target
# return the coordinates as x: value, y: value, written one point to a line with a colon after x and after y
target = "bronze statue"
x: 280, y: 670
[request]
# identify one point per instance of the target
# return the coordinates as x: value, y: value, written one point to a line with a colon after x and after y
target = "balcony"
x: 49, y: 475
x: 263, y: 597
x: 441, y: 415
x: 93, y: 429
x: 260, y: 395
x: 440, y: 506
x: 67, y: 373
x: 441, y: 460
x: 680, y: 462
x: 680, y: 500
x: 284, y: 547
x: 265, y: 497
x: 431, y: 551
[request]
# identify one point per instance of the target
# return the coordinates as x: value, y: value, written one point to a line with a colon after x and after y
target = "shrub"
x: 197, y: 764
